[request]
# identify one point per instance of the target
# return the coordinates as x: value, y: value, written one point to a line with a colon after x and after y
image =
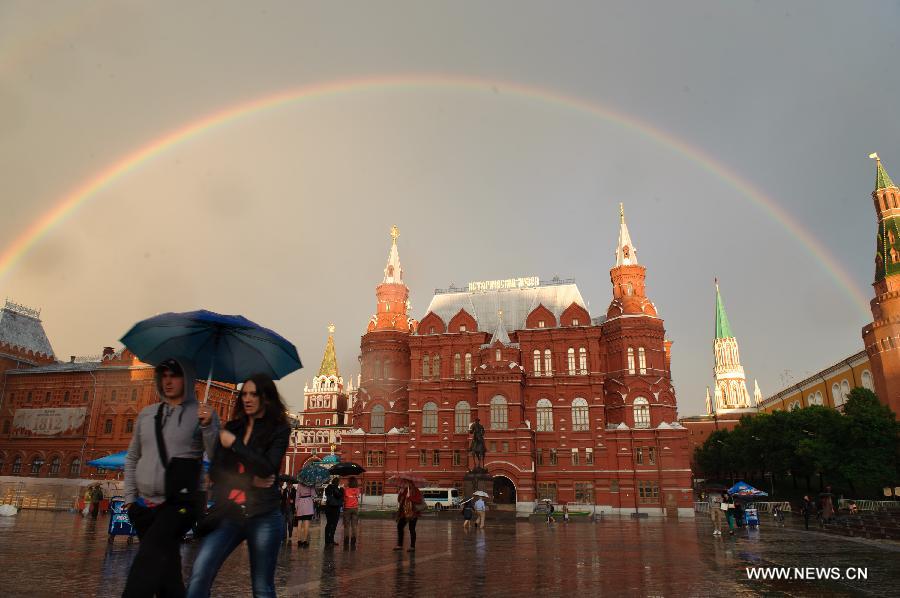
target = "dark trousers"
x: 401, y: 523
x: 95, y: 509
x: 332, y: 514
x: 156, y: 569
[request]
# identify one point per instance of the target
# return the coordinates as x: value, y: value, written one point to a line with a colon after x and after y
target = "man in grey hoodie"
x: 187, y: 429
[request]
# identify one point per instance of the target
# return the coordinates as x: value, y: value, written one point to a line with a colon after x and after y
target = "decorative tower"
x: 638, y: 354
x: 384, y: 349
x: 882, y: 337
x: 325, y: 414
x: 731, y: 385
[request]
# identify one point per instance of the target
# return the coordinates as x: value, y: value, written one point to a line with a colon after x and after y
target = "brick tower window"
x: 499, y: 413
x: 544, y: 416
x: 570, y: 359
x: 54, y: 466
x: 537, y: 362
x: 17, y: 464
x: 426, y: 370
x: 548, y: 363
x: 468, y: 365
x: 642, y: 360
x: 579, y: 415
x: 462, y: 415
x: 75, y: 466
x: 457, y: 365
x: 641, y: 413
x: 631, y: 360
x: 377, y: 424
x: 582, y: 360
x: 429, y: 418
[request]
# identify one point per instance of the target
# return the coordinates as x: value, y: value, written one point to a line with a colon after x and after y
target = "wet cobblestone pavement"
x: 61, y: 554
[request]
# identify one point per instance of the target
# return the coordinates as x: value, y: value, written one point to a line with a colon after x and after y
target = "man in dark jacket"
x: 163, y: 515
x: 334, y: 500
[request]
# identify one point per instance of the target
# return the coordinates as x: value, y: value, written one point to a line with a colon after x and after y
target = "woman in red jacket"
x: 410, y: 504
x: 351, y: 511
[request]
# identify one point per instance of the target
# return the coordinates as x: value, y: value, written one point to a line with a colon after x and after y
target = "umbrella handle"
x: 208, y: 382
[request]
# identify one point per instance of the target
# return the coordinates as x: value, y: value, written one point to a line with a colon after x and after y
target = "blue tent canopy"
x: 745, y: 489
x: 116, y: 462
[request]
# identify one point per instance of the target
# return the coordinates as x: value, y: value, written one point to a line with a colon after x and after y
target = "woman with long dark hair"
x: 248, y: 503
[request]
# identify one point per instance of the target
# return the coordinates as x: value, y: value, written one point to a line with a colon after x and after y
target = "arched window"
x: 544, y: 416
x: 498, y: 355
x: 579, y: 415
x: 819, y: 400
x: 499, y: 413
x: 436, y: 367
x: 468, y: 365
x: 570, y: 360
x: 54, y: 466
x: 377, y: 425
x: 867, y: 380
x: 457, y: 365
x: 548, y: 363
x: 845, y: 390
x: 836, y: 394
x: 75, y: 467
x: 463, y: 414
x: 642, y: 361
x: 17, y: 464
x: 386, y: 369
x: 426, y: 370
x: 537, y: 362
x: 630, y: 360
x: 582, y: 361
x: 36, y: 464
x: 641, y: 413
x: 629, y: 289
x: 794, y: 406
x: 429, y: 418
x: 377, y: 373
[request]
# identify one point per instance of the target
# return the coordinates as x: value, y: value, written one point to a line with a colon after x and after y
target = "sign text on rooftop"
x: 508, y: 283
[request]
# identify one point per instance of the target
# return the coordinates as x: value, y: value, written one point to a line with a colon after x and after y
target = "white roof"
x: 516, y: 304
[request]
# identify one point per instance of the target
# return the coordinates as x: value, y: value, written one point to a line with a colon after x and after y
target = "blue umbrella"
x: 116, y: 462
x: 232, y: 346
x: 313, y: 474
x: 745, y: 489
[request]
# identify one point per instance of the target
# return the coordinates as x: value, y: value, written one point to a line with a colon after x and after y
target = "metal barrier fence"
x: 870, y: 505
x: 60, y: 497
x: 762, y: 507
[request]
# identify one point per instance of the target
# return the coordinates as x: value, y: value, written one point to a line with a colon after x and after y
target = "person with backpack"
x: 334, y: 500
x: 247, y: 500
x: 162, y: 479
x: 410, y: 504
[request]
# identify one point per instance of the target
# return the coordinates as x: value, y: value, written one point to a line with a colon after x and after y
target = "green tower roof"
x: 882, y: 180
x: 723, y: 328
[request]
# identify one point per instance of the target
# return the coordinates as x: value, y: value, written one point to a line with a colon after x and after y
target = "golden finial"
x: 395, y: 232
x: 331, y: 328
x: 621, y: 212
x: 332, y: 448
x: 874, y: 156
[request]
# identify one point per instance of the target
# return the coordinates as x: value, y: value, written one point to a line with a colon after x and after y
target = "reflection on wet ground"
x: 43, y: 553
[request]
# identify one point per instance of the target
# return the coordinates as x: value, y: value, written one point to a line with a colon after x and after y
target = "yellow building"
x: 830, y: 387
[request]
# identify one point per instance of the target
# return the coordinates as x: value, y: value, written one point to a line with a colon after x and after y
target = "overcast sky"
x: 283, y: 215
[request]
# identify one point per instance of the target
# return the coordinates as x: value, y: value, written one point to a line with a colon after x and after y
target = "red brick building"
x: 576, y: 408
x: 57, y: 416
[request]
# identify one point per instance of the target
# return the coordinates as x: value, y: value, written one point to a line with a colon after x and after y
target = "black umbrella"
x: 348, y: 468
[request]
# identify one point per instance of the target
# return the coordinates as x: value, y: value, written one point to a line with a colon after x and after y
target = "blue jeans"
x: 263, y: 534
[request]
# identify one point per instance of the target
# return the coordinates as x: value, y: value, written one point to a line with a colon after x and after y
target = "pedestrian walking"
x: 827, y: 505
x: 288, y: 498
x: 808, y: 508
x: 565, y: 511
x: 480, y: 510
x: 96, y: 499
x: 550, y: 511
x: 410, y: 504
x: 248, y: 502
x: 305, y: 509
x: 715, y: 512
x: 334, y: 500
x: 468, y: 511
x: 729, y: 508
x: 352, y: 494
x: 162, y: 477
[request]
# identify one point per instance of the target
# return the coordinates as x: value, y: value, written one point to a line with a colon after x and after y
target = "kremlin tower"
x: 882, y: 337
x: 731, y: 396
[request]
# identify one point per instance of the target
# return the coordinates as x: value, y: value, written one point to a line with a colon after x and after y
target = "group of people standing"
x: 164, y: 499
x: 341, y: 503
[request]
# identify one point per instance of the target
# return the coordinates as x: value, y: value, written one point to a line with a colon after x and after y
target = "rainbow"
x: 120, y: 168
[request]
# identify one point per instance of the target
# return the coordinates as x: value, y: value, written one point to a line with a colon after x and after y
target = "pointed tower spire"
x: 393, y: 272
x: 709, y: 410
x: 723, y: 328
x: 757, y: 393
x: 329, y: 365
x: 626, y: 254
x: 882, y: 180
x: 500, y: 334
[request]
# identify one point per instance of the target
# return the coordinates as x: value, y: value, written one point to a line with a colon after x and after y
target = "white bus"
x: 440, y: 498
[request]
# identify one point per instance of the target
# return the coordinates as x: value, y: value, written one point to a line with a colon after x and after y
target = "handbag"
x: 723, y: 506
x: 182, y: 477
